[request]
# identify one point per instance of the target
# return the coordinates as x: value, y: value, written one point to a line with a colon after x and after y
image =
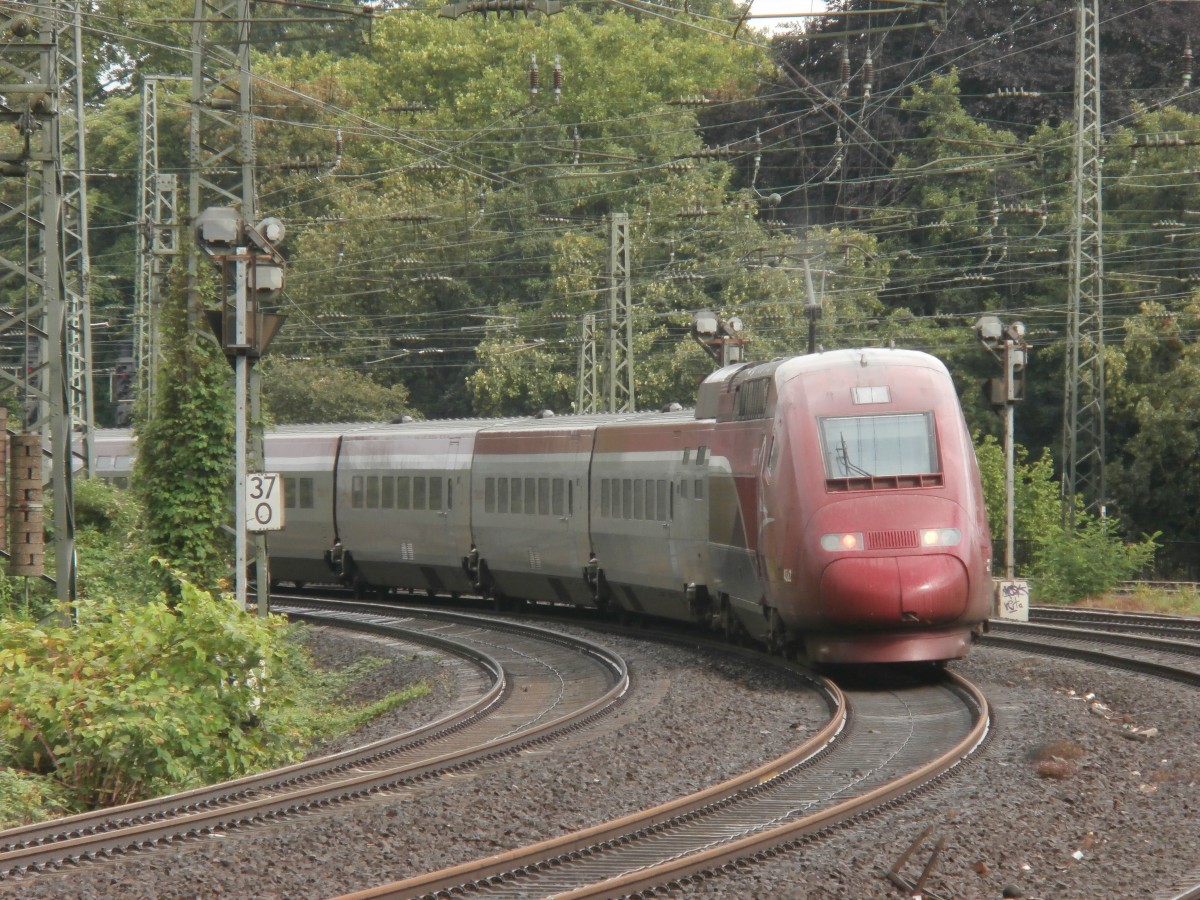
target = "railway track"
x: 1181, y: 628
x: 1177, y: 659
x: 530, y: 686
x: 891, y: 743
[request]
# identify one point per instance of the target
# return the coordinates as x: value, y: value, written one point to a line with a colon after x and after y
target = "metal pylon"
x: 1083, y: 394
x: 158, y: 238
x: 587, y: 399
x: 221, y: 136
x: 43, y: 322
x: 620, y: 317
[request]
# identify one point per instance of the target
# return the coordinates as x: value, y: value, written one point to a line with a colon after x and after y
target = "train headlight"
x: 850, y: 540
x: 940, y: 537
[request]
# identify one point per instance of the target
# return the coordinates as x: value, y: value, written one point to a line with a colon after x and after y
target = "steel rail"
x: 508, y: 867
x: 1175, y: 660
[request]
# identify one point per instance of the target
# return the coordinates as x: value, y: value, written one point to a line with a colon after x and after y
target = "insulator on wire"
x: 690, y: 100
x: 557, y: 79
x: 577, y: 145
x: 534, y: 77
x: 1187, y: 63
x: 868, y: 76
x: 844, y: 91
x: 1012, y: 94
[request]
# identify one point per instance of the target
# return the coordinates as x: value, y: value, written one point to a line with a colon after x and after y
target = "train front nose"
x: 925, y: 589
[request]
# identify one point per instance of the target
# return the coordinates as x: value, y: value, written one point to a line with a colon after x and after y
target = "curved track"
x: 893, y: 742
x: 545, y: 685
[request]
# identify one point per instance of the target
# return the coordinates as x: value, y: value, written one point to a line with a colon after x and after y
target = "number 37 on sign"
x: 264, y: 501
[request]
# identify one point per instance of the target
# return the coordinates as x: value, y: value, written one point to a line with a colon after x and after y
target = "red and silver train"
x: 827, y: 504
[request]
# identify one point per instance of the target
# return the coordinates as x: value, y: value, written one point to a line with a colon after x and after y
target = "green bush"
x: 138, y: 700
x: 1086, y: 562
x: 1067, y: 565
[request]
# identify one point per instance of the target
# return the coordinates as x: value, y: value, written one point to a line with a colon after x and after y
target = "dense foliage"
x: 184, y: 467
x: 1064, y: 563
x: 138, y: 699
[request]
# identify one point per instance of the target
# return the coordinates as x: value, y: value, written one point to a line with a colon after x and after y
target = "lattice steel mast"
x: 1083, y: 394
x: 620, y: 317
x: 158, y: 238
x: 43, y: 219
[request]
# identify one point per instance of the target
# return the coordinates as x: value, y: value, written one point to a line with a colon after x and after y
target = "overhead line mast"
x: 1083, y: 389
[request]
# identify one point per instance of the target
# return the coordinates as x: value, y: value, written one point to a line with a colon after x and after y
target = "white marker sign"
x: 264, y: 501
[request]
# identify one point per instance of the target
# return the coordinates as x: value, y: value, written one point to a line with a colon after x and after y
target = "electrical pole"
x: 1083, y: 389
x: 77, y: 271
x: 1007, y: 344
x: 44, y: 226
x: 158, y: 240
x: 221, y: 157
x: 587, y: 400
x: 620, y: 318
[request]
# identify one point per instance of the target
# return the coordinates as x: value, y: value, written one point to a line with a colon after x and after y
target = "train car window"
x: 664, y: 512
x: 501, y: 495
x: 683, y: 488
x: 530, y: 496
x: 543, y: 496
x: 627, y: 498
x: 489, y: 495
x: 449, y: 494
x: 670, y: 506
x: 867, y: 446
x: 606, y: 497
x: 420, y: 491
x: 570, y: 498
x: 289, y: 493
x: 387, y: 492
x: 403, y: 492
x: 557, y: 497
x: 702, y: 456
x: 639, y: 505
x: 699, y: 492
x: 515, y: 495
x: 306, y: 493
x: 687, y: 455
x: 356, y: 492
x: 435, y: 492
x: 372, y: 492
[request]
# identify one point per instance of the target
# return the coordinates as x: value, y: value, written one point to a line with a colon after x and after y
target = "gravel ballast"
x: 1066, y: 803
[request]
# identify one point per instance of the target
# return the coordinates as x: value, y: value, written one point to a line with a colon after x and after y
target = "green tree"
x: 297, y: 391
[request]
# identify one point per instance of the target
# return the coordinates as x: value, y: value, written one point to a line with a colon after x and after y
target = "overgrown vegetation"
x: 184, y: 468
x: 154, y: 682
x: 139, y: 699
x: 1066, y: 564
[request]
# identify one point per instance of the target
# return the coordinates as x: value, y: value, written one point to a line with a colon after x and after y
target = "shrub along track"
x: 532, y: 686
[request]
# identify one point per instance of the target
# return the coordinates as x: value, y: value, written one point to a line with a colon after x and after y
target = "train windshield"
x: 865, y: 446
